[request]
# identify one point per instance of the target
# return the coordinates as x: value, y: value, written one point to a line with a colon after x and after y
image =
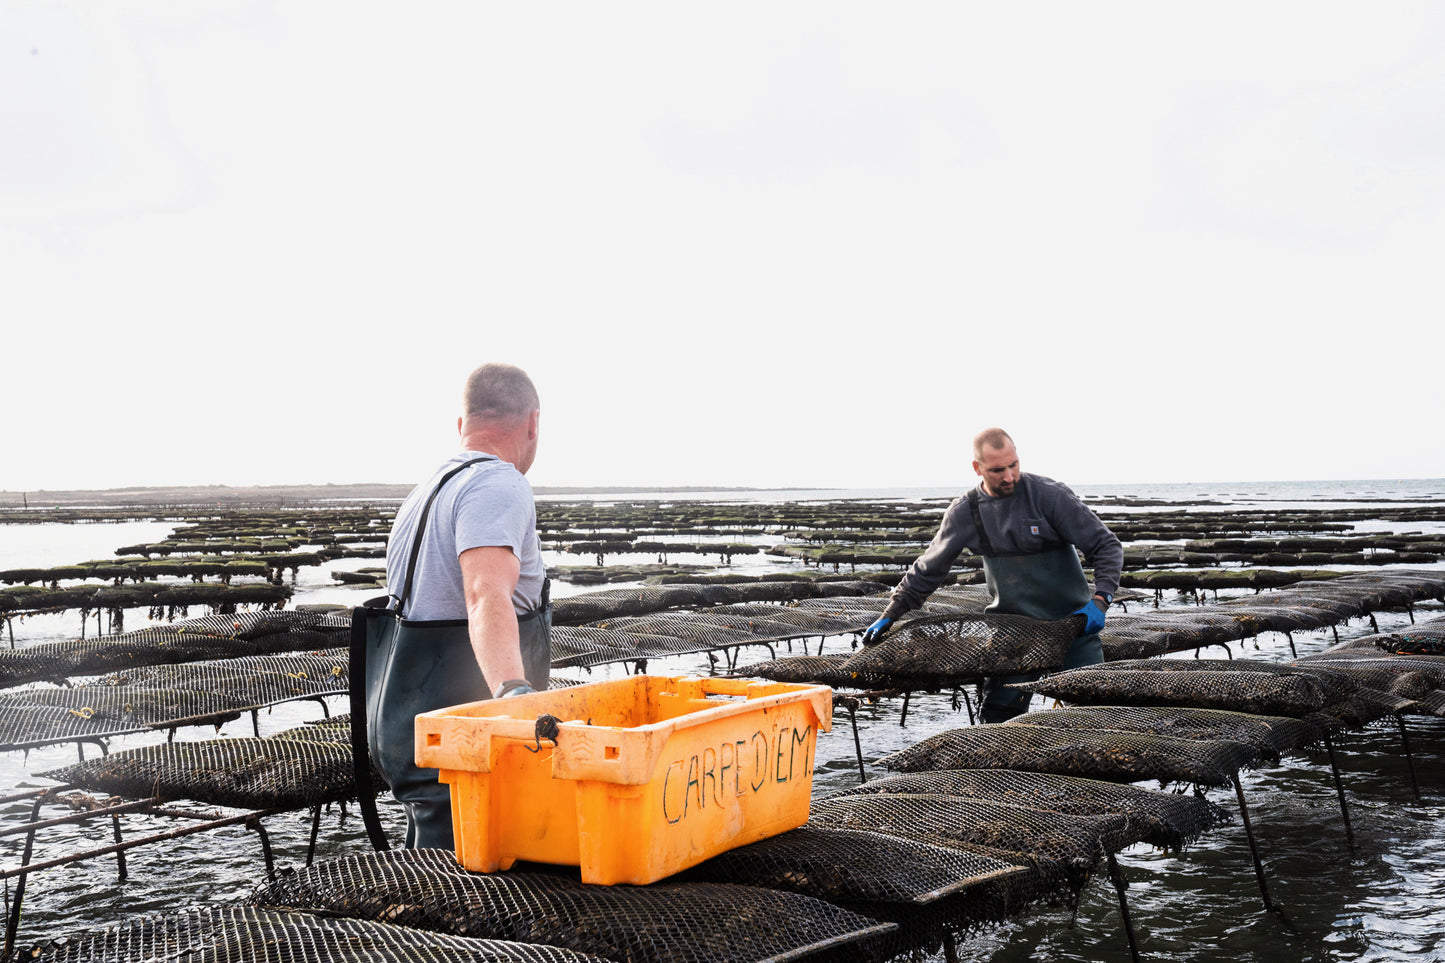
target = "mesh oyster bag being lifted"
x: 259, y: 935
x: 939, y: 651
x: 1165, y: 819
x: 1112, y: 756
x: 665, y: 922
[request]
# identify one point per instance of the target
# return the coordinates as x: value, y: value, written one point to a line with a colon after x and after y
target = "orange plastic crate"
x: 649, y: 775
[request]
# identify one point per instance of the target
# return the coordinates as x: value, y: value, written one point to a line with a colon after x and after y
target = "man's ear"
x: 533, y: 423
x: 459, y: 424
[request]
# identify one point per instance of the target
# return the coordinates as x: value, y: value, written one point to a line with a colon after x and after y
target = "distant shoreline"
x: 272, y: 496
x: 292, y: 494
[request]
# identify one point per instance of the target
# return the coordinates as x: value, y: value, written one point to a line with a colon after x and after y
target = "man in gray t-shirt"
x: 469, y: 592
x: 488, y: 504
x: 1029, y: 530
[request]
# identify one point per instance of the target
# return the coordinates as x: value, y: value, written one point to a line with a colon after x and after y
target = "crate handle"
x: 547, y: 727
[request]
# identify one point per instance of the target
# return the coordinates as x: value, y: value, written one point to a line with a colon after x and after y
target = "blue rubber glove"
x: 874, y: 633
x: 1093, y: 616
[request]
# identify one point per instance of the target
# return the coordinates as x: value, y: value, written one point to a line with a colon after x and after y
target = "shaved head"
x: 499, y: 393
x: 990, y: 438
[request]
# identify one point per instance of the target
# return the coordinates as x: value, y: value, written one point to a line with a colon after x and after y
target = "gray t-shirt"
x: 487, y: 504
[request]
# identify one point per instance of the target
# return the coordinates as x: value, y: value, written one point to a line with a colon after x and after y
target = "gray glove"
x: 514, y: 687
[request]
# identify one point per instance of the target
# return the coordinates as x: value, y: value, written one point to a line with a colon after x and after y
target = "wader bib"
x: 411, y: 667
x: 1047, y: 585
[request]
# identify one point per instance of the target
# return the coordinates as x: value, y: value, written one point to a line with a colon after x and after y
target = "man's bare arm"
x: 489, y: 577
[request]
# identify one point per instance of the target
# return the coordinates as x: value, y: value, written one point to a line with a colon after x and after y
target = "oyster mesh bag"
x: 1164, y: 819
x: 166, y: 695
x: 193, y: 640
x: 1272, y: 736
x: 1111, y: 756
x: 1266, y: 693
x: 796, y: 620
x: 1154, y: 633
x: 667, y: 922
x: 929, y: 889
x: 814, y: 669
x: 1432, y: 667
x: 614, y: 603
x: 1381, y: 678
x: 23, y: 726
x: 284, y: 771
x: 940, y: 651
x: 1076, y: 842
x: 859, y: 866
x: 258, y: 935
x: 1419, y: 678
x: 121, y: 707
x: 1341, y: 696
x: 685, y: 633
x: 250, y: 680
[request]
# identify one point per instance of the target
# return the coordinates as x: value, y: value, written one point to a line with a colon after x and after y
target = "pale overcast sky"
x: 767, y: 244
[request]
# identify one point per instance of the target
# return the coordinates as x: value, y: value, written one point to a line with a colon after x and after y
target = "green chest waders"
x: 1049, y: 584
x: 409, y: 667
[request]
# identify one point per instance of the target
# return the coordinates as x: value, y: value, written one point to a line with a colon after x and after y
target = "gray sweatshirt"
x: 1040, y: 514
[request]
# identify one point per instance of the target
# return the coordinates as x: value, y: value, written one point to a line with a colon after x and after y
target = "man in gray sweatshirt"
x: 1029, y: 530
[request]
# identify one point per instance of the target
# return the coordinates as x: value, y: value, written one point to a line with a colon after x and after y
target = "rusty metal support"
x: 209, y: 821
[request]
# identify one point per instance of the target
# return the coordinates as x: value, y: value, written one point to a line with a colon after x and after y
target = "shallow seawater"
x: 1381, y: 900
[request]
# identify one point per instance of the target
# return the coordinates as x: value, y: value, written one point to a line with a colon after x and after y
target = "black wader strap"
x: 985, y: 547
x: 360, y: 616
x: 421, y: 530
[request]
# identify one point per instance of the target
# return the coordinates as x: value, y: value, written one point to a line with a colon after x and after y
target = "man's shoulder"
x: 498, y: 482
x: 1044, y: 488
x: 1043, y: 481
x: 960, y: 504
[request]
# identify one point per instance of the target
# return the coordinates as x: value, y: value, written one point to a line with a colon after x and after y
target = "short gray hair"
x: 992, y: 438
x: 499, y: 392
